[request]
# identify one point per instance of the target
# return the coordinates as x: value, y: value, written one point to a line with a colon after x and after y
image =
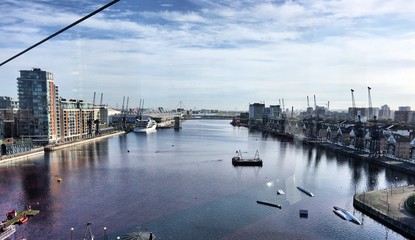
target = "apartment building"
x: 38, y: 98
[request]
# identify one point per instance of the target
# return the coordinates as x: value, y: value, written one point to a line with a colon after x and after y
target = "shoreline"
x: 385, y: 161
x: 387, y: 207
x: 9, y: 159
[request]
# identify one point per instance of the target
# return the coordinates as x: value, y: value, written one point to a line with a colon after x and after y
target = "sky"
x: 208, y: 54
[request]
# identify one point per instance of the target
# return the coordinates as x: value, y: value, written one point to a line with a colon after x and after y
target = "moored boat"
x: 23, y: 220
x: 145, y: 126
x: 240, y: 161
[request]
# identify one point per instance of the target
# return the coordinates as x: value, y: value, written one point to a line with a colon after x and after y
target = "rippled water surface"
x: 182, y: 185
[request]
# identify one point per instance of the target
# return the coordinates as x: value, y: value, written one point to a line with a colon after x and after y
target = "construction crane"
x: 370, y: 110
x: 353, y: 104
x: 100, y: 102
x: 93, y: 101
x: 122, y: 114
x: 283, y: 107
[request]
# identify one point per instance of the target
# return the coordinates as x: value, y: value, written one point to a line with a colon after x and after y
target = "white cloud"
x: 261, y: 49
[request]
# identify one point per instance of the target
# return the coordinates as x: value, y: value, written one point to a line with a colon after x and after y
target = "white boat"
x: 343, y: 213
x: 145, y: 126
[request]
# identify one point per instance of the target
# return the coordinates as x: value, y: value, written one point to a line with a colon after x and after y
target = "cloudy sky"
x: 217, y: 54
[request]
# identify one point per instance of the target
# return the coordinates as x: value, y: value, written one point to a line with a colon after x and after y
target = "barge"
x: 240, y: 161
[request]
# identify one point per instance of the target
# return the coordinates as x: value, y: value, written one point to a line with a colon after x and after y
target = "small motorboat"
x: 23, y: 219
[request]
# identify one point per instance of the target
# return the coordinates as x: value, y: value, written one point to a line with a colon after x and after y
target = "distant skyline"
x: 217, y: 54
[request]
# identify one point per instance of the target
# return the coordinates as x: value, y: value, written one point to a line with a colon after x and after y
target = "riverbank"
x: 12, y: 158
x: 388, y: 207
x: 49, y: 148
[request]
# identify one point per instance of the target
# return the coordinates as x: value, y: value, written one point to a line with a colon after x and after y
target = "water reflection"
x: 182, y: 185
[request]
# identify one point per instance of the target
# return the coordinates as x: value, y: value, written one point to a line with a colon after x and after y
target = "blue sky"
x: 217, y: 54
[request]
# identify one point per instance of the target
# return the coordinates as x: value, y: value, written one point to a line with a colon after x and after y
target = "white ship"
x: 145, y: 126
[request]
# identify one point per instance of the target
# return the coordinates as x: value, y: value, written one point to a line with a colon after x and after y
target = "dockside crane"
x: 122, y: 113
x: 370, y: 110
x: 283, y: 107
x: 93, y: 100
x: 100, y: 102
x: 353, y: 104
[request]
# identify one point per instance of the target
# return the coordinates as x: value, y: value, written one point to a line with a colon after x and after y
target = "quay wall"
x: 396, y: 224
x: 21, y: 156
x: 9, y: 159
x: 50, y: 148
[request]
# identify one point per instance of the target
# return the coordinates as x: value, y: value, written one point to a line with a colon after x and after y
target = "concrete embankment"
x: 54, y: 147
x: 388, y: 207
x: 12, y: 158
x: 8, y: 159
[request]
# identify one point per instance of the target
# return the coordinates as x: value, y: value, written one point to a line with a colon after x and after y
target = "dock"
x: 21, y: 214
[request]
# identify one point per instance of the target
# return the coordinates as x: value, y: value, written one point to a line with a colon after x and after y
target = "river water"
x: 182, y: 185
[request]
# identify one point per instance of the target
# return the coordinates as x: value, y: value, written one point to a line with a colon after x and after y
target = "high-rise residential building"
x: 385, y: 112
x: 38, y: 96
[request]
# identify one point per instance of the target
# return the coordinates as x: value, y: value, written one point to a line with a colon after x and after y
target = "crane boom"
x: 370, y: 110
x: 353, y: 104
x: 100, y: 103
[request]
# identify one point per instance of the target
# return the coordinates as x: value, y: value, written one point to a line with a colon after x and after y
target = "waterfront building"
x: 398, y: 146
x: 38, y: 97
x: 256, y: 112
x: 7, y: 116
x: 77, y: 120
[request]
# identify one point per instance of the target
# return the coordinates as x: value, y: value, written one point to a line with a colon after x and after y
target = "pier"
x: 21, y: 214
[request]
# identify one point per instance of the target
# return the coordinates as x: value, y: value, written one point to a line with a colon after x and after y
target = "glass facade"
x: 37, y: 94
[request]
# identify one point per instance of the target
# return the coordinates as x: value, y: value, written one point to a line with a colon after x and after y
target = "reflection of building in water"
x: 36, y: 186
